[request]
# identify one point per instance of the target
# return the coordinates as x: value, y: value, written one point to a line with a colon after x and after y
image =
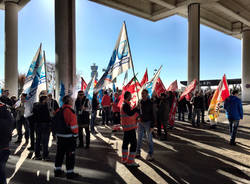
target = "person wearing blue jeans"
x: 234, y: 112
x: 146, y: 125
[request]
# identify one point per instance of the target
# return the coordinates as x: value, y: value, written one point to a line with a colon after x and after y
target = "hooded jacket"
x: 233, y: 107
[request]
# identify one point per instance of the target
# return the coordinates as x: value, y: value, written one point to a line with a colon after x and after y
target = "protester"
x: 203, y: 108
x: 163, y: 115
x: 106, y: 104
x: 182, y: 108
x: 4, y: 98
x: 95, y: 106
x: 66, y: 131
x: 83, y: 108
x: 129, y: 124
x: 146, y: 125
x: 190, y: 108
x: 53, y: 107
x: 197, y: 103
x: 6, y: 127
x: 22, y: 121
x: 43, y: 120
x: 116, y: 110
x: 156, y: 102
x: 234, y: 112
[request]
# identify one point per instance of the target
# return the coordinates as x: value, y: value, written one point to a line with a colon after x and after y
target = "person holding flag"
x: 234, y: 112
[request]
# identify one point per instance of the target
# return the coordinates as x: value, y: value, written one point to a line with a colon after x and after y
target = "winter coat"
x: 164, y: 109
x: 233, y: 107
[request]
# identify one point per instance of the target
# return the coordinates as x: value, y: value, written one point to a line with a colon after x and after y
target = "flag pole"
x: 45, y: 68
x: 133, y: 68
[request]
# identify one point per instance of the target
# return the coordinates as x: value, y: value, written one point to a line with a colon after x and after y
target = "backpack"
x: 59, y: 125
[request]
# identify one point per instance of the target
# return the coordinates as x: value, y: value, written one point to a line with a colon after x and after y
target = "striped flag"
x: 220, y: 95
x: 145, y: 78
x: 173, y: 86
x: 188, y: 89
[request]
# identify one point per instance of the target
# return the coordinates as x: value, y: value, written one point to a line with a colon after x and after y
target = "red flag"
x: 173, y: 111
x: 145, y: 78
x: 173, y: 86
x: 159, y: 87
x: 225, y: 90
x: 133, y: 87
x: 83, y: 84
x: 95, y: 82
x: 189, y: 89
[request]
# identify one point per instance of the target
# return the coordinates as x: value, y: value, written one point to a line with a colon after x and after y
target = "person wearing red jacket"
x: 116, y: 110
x: 66, y: 133
x: 106, y: 104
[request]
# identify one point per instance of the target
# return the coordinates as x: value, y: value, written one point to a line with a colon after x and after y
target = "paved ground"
x: 190, y: 155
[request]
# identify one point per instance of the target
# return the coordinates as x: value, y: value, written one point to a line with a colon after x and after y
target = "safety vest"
x: 128, y: 122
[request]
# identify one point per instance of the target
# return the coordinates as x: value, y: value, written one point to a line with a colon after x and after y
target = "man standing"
x: 234, y: 111
x: 129, y: 125
x: 147, y: 125
x: 106, y: 104
x: 197, y: 103
x: 6, y: 124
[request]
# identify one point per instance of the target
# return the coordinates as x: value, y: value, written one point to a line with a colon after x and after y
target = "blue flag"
x: 62, y: 93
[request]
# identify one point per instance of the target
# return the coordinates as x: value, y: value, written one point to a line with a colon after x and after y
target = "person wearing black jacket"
x: 6, y: 124
x: 197, y: 102
x: 82, y: 106
x: 147, y: 124
x: 182, y: 108
x: 95, y: 105
x: 43, y: 120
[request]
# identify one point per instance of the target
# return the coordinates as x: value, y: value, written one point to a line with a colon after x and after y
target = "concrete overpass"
x: 231, y: 17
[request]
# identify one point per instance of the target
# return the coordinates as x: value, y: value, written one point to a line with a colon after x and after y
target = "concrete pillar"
x: 65, y: 45
x: 193, y: 42
x: 246, y: 65
x: 11, y: 46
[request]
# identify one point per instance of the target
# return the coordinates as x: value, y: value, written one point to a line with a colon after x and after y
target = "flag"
x: 189, y: 89
x: 120, y: 60
x: 62, y: 93
x: 150, y: 85
x: 159, y: 87
x: 90, y: 88
x: 50, y: 76
x: 33, y: 89
x: 83, y: 84
x: 220, y: 95
x: 133, y: 87
x: 42, y: 81
x: 95, y: 82
x: 36, y: 62
x: 173, y: 111
x: 145, y: 78
x: 125, y: 78
x: 173, y: 86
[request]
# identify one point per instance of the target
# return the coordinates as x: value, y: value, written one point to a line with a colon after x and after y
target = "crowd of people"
x: 67, y: 123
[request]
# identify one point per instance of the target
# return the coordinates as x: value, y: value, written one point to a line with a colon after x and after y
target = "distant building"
x: 94, y: 70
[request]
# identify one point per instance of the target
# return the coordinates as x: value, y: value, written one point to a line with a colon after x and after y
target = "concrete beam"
x: 163, y: 3
x: 20, y: 3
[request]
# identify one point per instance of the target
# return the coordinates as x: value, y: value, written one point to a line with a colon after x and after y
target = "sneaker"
x: 149, y: 158
x: 134, y: 164
x: 72, y: 175
x: 59, y: 173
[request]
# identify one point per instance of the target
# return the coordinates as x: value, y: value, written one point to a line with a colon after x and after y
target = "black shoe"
x: 26, y: 141
x: 87, y: 147
x: 59, y: 173
x: 47, y: 158
x: 233, y: 143
x: 31, y: 148
x: 18, y: 141
x: 38, y: 157
x: 72, y: 175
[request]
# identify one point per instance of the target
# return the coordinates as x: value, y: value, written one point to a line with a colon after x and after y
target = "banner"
x: 36, y: 62
x: 220, y: 95
x: 173, y: 86
x: 51, y: 77
x: 150, y: 85
x: 125, y: 78
x: 120, y: 60
x: 42, y: 82
x: 32, y: 95
x: 173, y: 111
x: 90, y: 88
x: 133, y: 87
x: 159, y: 87
x: 145, y: 78
x: 191, y: 87
x: 83, y: 84
x: 62, y: 93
